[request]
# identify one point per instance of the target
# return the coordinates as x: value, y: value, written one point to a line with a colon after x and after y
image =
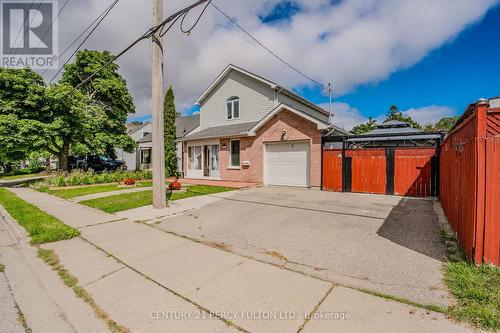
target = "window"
x: 144, y: 134
x: 194, y: 155
x: 235, y: 153
x: 146, y: 156
x: 233, y: 108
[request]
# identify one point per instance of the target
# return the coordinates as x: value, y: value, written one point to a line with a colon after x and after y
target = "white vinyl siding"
x: 256, y: 100
x: 287, y: 164
x: 304, y: 108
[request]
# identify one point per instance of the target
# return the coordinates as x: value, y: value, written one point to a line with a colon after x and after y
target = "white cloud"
x: 345, y: 116
x: 366, y: 41
x: 429, y: 114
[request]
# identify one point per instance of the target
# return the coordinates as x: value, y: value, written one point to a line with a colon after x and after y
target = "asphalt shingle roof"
x: 183, y: 125
x: 222, y: 131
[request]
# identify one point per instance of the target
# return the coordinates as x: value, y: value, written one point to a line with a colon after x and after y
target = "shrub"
x: 75, y: 180
x: 61, y: 181
x: 86, y: 180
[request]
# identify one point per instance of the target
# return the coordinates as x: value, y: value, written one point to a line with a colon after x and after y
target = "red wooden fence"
x: 332, y: 170
x: 470, y: 182
x: 368, y: 170
x: 412, y: 171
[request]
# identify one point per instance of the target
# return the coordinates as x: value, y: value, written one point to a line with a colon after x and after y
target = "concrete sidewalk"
x: 149, y: 280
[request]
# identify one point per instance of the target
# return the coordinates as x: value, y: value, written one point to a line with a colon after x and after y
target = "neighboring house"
x: 183, y: 125
x: 253, y: 130
x: 136, y: 132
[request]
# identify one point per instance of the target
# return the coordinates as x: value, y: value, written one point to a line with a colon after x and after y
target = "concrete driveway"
x: 382, y: 243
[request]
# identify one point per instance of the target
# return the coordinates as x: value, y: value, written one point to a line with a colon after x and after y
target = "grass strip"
x: 117, y: 203
x: 51, y: 258
x: 430, y: 307
x: 476, y: 287
x: 22, y: 176
x: 91, y: 189
x: 41, y: 227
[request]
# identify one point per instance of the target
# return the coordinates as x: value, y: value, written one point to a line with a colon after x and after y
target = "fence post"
x: 480, y: 143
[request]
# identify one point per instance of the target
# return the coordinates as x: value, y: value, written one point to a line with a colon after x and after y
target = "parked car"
x: 96, y: 163
x: 103, y: 163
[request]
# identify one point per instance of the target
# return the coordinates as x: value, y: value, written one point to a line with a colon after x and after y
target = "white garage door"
x: 287, y: 164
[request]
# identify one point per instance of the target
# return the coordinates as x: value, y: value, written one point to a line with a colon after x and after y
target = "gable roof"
x: 132, y: 128
x: 183, y: 126
x: 271, y: 84
x: 223, y: 131
x: 282, y: 106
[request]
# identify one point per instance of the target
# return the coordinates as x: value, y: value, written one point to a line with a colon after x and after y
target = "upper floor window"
x: 233, y: 108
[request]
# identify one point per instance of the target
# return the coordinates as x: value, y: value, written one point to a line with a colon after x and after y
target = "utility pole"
x: 330, y: 103
x: 158, y: 150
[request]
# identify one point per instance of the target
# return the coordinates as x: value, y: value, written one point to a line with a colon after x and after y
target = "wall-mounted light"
x: 224, y: 145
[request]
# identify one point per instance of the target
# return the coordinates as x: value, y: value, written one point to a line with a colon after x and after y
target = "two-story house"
x: 254, y: 130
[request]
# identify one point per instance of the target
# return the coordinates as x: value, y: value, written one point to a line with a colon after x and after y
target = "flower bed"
x: 88, y: 178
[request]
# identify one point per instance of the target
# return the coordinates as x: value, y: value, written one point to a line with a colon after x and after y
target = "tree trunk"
x: 63, y: 157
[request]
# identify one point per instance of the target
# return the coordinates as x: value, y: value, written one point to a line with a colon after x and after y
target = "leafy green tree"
x: 21, y: 98
x: 371, y: 124
x: 108, y: 90
x: 60, y: 119
x: 395, y: 114
x: 444, y: 124
x: 170, y: 114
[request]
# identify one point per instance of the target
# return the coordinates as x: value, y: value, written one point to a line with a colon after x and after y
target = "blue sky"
x: 455, y: 75
x: 431, y: 58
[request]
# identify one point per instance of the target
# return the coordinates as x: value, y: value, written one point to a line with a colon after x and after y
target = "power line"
x: 51, y: 25
x: 22, y: 25
x: 80, y: 35
x: 29, y: 24
x: 268, y: 49
x: 148, y: 34
x: 85, y: 39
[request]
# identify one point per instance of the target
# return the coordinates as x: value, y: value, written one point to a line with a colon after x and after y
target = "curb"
x: 16, y: 232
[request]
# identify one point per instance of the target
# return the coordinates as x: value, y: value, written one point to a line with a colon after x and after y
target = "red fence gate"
x: 470, y: 182
x: 391, y: 170
x: 368, y: 170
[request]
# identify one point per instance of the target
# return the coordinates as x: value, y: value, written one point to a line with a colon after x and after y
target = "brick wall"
x: 252, y: 148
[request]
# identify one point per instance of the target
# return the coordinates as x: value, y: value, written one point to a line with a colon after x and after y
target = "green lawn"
x: 42, y: 227
x: 117, y: 203
x: 67, y: 193
x: 476, y: 288
x: 30, y: 175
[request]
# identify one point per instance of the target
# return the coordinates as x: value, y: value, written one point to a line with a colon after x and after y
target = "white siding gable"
x: 302, y: 107
x: 256, y: 100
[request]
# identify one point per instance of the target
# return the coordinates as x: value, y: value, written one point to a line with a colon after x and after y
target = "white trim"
x: 230, y: 152
x: 232, y: 101
x: 321, y: 125
x: 222, y: 75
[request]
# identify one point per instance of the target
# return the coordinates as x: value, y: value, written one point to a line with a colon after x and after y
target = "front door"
x: 206, y: 161
x: 211, y: 161
x: 214, y: 161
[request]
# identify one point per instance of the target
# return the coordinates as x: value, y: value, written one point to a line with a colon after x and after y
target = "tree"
x: 365, y: 127
x: 60, y: 118
x: 21, y: 98
x: 170, y: 114
x: 395, y: 114
x: 444, y: 124
x: 108, y: 90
